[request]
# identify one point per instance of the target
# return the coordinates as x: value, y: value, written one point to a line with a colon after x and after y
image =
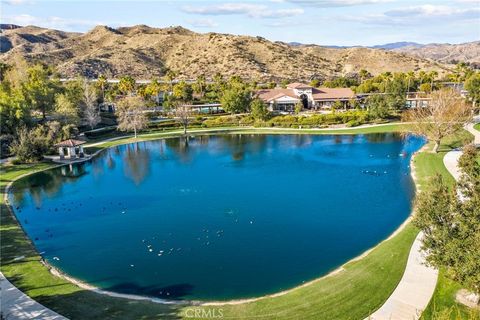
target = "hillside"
x: 446, y: 53
x: 146, y: 52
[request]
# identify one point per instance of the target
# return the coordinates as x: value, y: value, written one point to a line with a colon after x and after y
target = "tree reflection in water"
x: 47, y: 183
x: 180, y: 147
x: 137, y: 162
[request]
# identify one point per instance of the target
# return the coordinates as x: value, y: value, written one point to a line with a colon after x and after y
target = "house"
x: 284, y: 100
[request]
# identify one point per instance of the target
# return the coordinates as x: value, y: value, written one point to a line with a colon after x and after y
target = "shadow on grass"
x: 84, y: 304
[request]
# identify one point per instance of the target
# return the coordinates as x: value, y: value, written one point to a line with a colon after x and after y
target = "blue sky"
x: 325, y: 22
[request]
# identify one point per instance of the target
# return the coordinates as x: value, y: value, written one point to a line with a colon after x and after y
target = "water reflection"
x: 46, y: 183
x: 136, y: 162
x: 149, y: 211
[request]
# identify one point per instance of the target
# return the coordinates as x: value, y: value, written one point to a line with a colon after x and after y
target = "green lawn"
x: 477, y: 126
x: 353, y: 293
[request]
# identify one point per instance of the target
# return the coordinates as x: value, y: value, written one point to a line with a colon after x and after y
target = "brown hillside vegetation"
x: 146, y: 52
x: 447, y: 53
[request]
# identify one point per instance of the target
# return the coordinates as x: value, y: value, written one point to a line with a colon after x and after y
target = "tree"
x: 182, y: 114
x: 90, y: 113
x: 472, y: 85
x: 66, y: 109
x: 446, y: 113
x: 451, y: 225
x: 364, y: 74
x: 102, y: 84
x: 259, y: 109
x: 153, y: 89
x: 29, y: 146
x: 126, y: 85
x: 298, y: 107
x: 39, y: 89
x: 14, y: 110
x: 183, y: 91
x: 131, y: 114
x: 410, y: 77
x: 200, y: 86
x: 315, y: 83
x: 377, y: 106
x: 170, y: 77
x: 425, y: 87
x: 236, y: 100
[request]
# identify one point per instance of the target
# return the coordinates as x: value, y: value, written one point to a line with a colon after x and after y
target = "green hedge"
x: 350, y: 118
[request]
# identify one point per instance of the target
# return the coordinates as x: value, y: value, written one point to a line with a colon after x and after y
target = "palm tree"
x: 102, y: 83
x: 364, y: 74
x: 127, y: 85
x: 199, y: 86
x: 169, y: 77
x: 410, y: 76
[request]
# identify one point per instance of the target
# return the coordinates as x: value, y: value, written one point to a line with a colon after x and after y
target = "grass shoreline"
x: 402, y: 240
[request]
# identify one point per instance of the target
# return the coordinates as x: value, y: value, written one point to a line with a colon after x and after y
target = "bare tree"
x: 91, y: 113
x: 131, y: 114
x: 183, y: 114
x: 446, y: 113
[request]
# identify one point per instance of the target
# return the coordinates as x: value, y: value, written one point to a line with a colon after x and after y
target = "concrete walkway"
x: 417, y: 285
x: 451, y: 158
x: 17, y: 305
x: 413, y: 292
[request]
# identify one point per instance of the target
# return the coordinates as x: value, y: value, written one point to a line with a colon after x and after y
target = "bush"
x: 224, y: 121
x: 30, y: 146
x: 351, y: 118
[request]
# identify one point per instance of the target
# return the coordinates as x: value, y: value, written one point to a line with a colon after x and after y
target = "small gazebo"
x: 70, y: 149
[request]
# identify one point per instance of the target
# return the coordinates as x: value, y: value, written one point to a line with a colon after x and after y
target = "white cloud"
x: 17, y: 2
x: 337, y: 3
x: 469, y: 1
x: 429, y: 10
x: 416, y: 15
x: 49, y: 22
x: 203, y: 23
x: 248, y: 9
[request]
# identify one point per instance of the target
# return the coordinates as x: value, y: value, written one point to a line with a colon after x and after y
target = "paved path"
x: 17, y: 305
x: 413, y: 292
x: 451, y: 158
x: 417, y: 285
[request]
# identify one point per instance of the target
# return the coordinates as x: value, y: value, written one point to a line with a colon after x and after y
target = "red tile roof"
x: 70, y: 143
x: 273, y: 94
x: 298, y: 85
x: 333, y: 94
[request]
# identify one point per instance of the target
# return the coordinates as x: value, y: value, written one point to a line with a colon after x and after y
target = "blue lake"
x: 219, y: 217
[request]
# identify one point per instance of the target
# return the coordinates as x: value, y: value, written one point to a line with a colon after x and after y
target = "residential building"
x: 285, y: 99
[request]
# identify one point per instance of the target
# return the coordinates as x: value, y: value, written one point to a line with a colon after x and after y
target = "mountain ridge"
x: 147, y: 52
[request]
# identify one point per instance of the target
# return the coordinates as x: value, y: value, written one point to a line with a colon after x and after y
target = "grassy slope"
x: 477, y: 126
x: 443, y: 305
x: 351, y: 294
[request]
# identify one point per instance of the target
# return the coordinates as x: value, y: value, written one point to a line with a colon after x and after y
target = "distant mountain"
x: 446, y: 53
x: 397, y: 45
x: 7, y: 26
x: 387, y: 46
x: 146, y: 52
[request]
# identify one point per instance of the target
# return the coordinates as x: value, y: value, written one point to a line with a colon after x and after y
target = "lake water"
x: 219, y: 217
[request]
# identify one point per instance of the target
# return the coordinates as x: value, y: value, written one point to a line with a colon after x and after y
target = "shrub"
x: 351, y: 118
x: 30, y: 146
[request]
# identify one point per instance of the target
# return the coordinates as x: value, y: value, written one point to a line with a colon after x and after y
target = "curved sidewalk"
x: 417, y: 285
x: 17, y: 305
x: 414, y: 291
